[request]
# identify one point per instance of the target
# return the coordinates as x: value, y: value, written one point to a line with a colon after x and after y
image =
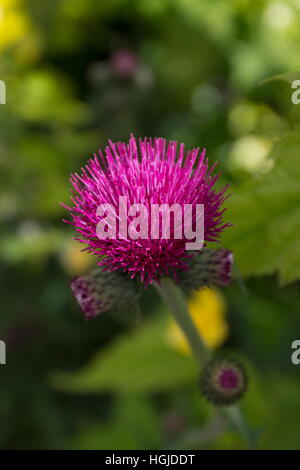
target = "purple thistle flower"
x: 124, y: 63
x: 150, y: 172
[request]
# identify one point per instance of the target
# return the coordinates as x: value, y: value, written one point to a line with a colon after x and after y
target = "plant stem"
x: 235, y: 416
x: 174, y: 299
x: 176, y: 303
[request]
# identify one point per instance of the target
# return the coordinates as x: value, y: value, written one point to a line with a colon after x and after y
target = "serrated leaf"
x: 266, y: 214
x: 141, y: 361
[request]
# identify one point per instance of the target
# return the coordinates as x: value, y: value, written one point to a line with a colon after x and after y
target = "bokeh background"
x: 79, y: 72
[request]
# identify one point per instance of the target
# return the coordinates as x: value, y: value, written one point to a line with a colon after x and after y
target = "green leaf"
x: 141, y: 361
x: 287, y: 77
x: 266, y: 214
x: 135, y: 424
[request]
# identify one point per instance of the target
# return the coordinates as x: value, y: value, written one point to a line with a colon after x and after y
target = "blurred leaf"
x: 141, y: 361
x: 287, y: 77
x: 46, y: 97
x: 266, y: 214
x: 135, y: 425
x: 282, y: 425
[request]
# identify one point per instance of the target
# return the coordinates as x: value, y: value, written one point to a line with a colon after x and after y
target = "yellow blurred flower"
x: 8, y: 3
x: 13, y: 23
x: 16, y: 29
x: 207, y: 308
x: 75, y: 261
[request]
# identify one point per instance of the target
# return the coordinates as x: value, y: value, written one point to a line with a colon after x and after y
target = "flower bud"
x: 206, y: 268
x: 223, y: 381
x: 99, y: 291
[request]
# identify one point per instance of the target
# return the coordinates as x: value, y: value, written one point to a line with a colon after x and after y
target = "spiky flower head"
x: 148, y: 172
x: 223, y: 381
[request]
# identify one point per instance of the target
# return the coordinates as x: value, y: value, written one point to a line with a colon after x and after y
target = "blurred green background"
x: 78, y: 72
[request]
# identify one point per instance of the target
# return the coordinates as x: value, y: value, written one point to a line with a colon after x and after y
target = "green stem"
x: 174, y: 299
x: 176, y: 303
x: 235, y: 416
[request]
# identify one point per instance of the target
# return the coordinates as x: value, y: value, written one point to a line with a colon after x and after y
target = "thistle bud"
x: 206, y: 268
x: 99, y: 291
x: 223, y: 381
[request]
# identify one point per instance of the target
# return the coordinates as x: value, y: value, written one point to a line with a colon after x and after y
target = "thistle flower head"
x: 223, y: 381
x: 124, y: 63
x: 148, y: 172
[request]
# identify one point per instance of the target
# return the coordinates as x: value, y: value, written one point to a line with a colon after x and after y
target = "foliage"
x: 201, y: 74
x: 139, y: 362
x: 266, y: 213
